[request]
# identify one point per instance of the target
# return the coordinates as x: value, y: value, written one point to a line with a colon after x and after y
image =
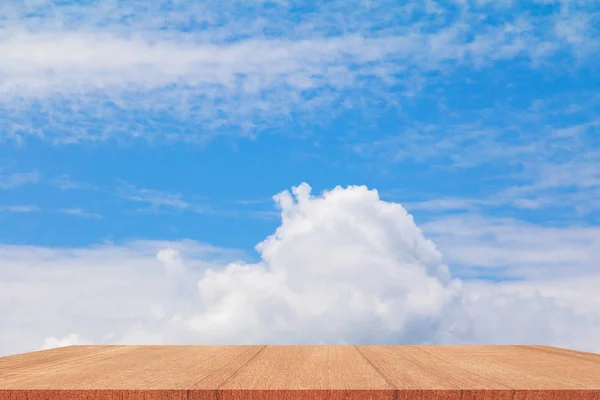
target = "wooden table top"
x: 301, y: 372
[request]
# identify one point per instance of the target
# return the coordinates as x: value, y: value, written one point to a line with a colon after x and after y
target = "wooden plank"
x: 579, y: 372
x: 301, y: 373
x: 307, y: 373
x: 530, y: 376
x: 416, y: 374
x: 137, y: 372
x: 579, y: 355
x: 56, y: 360
x: 94, y: 395
x: 44, y: 357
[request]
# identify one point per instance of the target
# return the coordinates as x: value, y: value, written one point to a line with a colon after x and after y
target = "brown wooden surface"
x: 301, y: 372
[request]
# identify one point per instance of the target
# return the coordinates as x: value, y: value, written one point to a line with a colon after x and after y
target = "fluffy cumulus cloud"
x: 69, y: 340
x: 342, y: 267
x: 172, y: 261
x: 345, y: 266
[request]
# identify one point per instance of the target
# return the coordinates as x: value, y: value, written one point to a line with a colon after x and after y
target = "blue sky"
x: 149, y: 126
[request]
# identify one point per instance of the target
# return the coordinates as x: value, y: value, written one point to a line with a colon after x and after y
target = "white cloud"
x: 213, y: 65
x: 69, y: 340
x: 78, y: 212
x: 510, y: 248
x: 19, y: 209
x: 172, y: 261
x: 544, y: 157
x: 71, y: 62
x: 343, y: 267
x: 102, y: 293
x: 156, y: 198
x: 16, y: 179
x: 65, y: 182
x: 446, y: 204
x: 346, y: 254
x: 160, y: 200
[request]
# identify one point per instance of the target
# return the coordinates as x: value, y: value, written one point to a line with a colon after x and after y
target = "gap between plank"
x: 395, y: 396
x: 240, y: 368
x: 466, y: 370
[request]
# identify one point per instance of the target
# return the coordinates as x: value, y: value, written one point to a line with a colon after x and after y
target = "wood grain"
x: 301, y: 373
x: 308, y: 372
x: 532, y: 376
x: 409, y: 368
x: 131, y: 372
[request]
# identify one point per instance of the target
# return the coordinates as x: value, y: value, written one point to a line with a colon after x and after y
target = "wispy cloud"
x: 16, y: 179
x: 21, y: 209
x: 446, y: 204
x: 65, y: 182
x: 78, y: 212
x: 542, y: 156
x: 155, y: 198
x: 249, y: 65
x: 161, y: 200
x: 510, y: 248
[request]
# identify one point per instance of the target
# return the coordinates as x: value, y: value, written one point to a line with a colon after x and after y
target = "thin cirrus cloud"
x: 21, y: 209
x: 542, y: 156
x: 214, y: 65
x: 342, y: 267
x: 16, y: 179
x: 155, y: 198
x: 78, y: 212
x: 65, y: 182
